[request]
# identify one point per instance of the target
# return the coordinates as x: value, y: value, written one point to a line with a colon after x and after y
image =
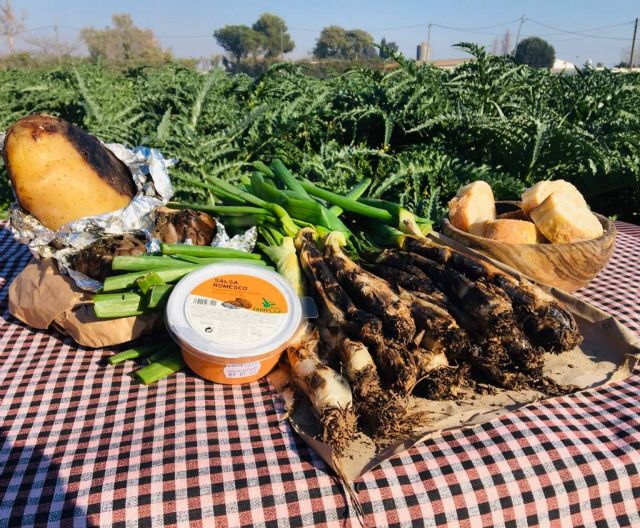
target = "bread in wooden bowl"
x: 564, y: 221
x: 568, y: 266
x: 472, y: 206
x: 538, y: 193
x: 512, y: 231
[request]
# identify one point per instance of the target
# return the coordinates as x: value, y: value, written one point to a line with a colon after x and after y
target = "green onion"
x: 266, y: 191
x: 282, y: 173
x: 218, y: 193
x: 285, y: 258
x: 206, y: 251
x: 247, y: 220
x: 135, y: 352
x: 112, y: 305
x: 349, y: 204
x: 354, y: 194
x: 128, y: 280
x: 204, y: 261
x: 165, y: 366
x: 222, y: 210
x: 407, y: 221
x: 158, y: 296
x: 302, y: 223
x: 166, y: 349
x: 262, y: 167
x: 144, y: 263
x: 301, y: 208
x: 384, y: 235
x: 147, y: 282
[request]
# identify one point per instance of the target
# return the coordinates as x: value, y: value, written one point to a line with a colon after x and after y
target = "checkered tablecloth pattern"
x: 84, y: 445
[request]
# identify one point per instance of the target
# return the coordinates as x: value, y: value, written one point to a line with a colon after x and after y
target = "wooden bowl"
x: 565, y: 266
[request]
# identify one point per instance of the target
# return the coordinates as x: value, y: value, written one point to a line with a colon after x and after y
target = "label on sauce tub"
x: 236, y: 308
x: 241, y: 370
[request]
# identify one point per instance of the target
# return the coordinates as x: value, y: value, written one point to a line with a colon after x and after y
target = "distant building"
x: 423, y: 52
x: 563, y: 66
x: 448, y: 64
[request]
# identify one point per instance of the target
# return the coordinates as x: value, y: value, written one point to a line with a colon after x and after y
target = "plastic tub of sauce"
x: 233, y: 321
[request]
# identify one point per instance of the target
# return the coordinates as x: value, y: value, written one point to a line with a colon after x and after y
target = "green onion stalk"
x: 206, y: 251
x: 137, y: 352
x: 163, y: 366
x: 386, y: 213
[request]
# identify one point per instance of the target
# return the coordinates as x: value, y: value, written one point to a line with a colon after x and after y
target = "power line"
x: 210, y: 35
x: 42, y: 28
x: 468, y: 29
x: 472, y: 30
x: 579, y: 33
x: 600, y: 28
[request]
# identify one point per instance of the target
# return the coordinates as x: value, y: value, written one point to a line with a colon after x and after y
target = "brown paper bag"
x: 41, y: 297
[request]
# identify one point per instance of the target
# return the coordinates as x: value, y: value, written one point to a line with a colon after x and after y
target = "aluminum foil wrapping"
x: 150, y: 174
x: 149, y: 170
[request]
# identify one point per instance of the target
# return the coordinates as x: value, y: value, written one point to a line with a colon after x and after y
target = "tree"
x: 239, y: 41
x: 506, y: 43
x: 387, y: 45
x: 495, y: 46
x: 335, y: 42
x: 331, y: 43
x: 535, y: 52
x: 360, y: 44
x: 275, y: 39
x: 123, y: 42
x: 53, y: 46
x: 503, y: 45
x: 10, y: 24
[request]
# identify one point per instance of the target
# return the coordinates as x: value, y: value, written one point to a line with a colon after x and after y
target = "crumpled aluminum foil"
x: 244, y: 242
x: 150, y: 174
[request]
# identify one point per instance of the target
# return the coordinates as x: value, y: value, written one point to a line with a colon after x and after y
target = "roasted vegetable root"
x: 328, y: 392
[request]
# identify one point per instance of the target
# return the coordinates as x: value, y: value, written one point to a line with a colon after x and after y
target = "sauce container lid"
x: 233, y: 311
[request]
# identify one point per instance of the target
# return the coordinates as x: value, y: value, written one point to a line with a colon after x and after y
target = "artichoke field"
x: 418, y: 132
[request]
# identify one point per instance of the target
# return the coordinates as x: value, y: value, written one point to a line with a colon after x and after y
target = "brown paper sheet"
x: 41, y: 297
x: 608, y: 354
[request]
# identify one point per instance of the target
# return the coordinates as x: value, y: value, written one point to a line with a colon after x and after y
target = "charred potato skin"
x: 60, y: 173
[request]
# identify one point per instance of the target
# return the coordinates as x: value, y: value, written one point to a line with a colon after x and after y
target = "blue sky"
x: 186, y: 26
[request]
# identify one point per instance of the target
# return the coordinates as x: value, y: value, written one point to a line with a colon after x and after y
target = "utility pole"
x: 429, y: 43
x: 633, y: 44
x: 522, y: 19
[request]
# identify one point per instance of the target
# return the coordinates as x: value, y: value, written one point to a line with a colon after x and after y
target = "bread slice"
x: 538, y: 193
x: 563, y: 221
x: 512, y: 231
x: 472, y: 206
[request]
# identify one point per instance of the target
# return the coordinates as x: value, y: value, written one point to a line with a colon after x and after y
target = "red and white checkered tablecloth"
x: 85, y: 445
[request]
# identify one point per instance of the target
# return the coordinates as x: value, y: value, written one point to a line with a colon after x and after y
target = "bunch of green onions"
x: 280, y: 204
x: 149, y: 280
x: 272, y: 195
